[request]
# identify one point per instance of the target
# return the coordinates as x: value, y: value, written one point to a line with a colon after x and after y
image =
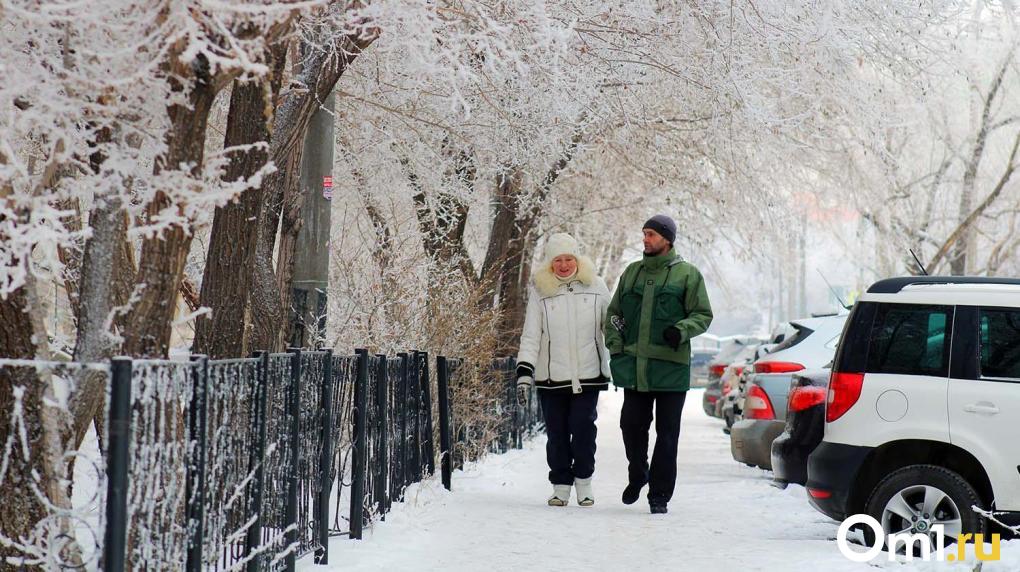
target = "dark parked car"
x: 805, y: 427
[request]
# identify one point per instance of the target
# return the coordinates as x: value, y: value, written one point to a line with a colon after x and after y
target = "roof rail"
x: 895, y: 285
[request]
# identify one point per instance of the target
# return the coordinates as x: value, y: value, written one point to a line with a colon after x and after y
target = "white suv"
x: 922, y: 420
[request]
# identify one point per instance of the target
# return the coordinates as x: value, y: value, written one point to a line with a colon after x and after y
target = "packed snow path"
x: 723, y: 517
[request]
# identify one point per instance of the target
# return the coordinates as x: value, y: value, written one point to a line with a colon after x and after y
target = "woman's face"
x: 564, y: 265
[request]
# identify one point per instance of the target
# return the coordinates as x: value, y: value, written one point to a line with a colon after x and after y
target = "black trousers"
x: 570, y: 431
x: 635, y: 420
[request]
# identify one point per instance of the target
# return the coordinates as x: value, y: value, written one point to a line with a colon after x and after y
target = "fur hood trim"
x: 547, y: 283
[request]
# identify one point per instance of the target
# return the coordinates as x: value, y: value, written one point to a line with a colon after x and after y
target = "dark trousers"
x: 635, y: 420
x: 570, y: 431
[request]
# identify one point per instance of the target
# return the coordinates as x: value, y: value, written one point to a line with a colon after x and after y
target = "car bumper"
x: 790, y: 451
x: 751, y: 441
x: 832, y: 469
x: 709, y: 401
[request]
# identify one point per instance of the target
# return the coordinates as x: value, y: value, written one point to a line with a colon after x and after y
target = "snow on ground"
x: 724, y: 517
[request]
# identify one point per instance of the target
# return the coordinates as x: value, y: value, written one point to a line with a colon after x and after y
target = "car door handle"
x: 981, y: 408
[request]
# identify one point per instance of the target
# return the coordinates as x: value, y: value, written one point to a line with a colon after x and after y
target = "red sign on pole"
x: 327, y: 188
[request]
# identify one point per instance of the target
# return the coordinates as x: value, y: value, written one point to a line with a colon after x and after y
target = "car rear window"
x: 800, y: 333
x: 1000, y: 343
x: 910, y: 339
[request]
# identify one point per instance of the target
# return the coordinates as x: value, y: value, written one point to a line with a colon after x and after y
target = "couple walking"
x: 575, y: 339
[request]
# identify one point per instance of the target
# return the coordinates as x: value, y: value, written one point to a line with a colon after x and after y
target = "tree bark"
x: 511, y: 240
x: 109, y: 232
x: 228, y: 276
x: 953, y: 242
x: 442, y: 228
x: 32, y: 440
x: 963, y: 243
x: 161, y: 266
x: 282, y: 194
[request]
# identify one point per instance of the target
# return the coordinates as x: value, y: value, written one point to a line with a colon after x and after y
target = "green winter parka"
x: 653, y: 294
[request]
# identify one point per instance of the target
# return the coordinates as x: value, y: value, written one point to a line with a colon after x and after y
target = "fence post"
x: 293, y: 460
x: 357, y: 517
x: 256, y: 462
x: 325, y: 460
x: 402, y: 476
x: 501, y: 443
x: 381, y: 380
x: 520, y: 413
x: 195, y: 488
x: 430, y: 439
x: 414, y: 388
x: 119, y: 438
x: 443, y: 389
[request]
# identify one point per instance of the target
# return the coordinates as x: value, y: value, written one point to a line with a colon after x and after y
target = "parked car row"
x: 906, y: 409
x: 766, y: 393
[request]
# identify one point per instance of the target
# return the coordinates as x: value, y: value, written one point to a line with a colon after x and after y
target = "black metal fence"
x: 250, y: 464
x: 476, y: 423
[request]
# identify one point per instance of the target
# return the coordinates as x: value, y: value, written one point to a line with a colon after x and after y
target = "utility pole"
x: 802, y: 306
x: 311, y: 258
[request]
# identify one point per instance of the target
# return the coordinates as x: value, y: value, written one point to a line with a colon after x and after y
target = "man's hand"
x: 673, y: 337
x: 524, y: 384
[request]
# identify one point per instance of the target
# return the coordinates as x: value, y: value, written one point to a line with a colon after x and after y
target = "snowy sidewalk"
x: 724, y: 516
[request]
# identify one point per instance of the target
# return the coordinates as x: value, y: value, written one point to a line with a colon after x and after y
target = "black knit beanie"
x: 663, y: 225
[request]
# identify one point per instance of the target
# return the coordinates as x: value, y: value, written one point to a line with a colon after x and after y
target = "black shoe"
x: 658, y: 508
x: 631, y: 493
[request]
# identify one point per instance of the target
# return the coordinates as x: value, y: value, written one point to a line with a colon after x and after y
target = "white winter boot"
x: 561, y: 495
x: 584, y: 495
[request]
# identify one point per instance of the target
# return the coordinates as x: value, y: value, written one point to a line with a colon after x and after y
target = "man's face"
x: 655, y: 244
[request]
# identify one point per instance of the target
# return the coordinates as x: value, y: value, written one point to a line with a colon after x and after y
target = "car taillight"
x: 819, y: 493
x: 844, y: 391
x: 757, y: 404
x: 802, y: 398
x: 717, y: 369
x: 777, y: 367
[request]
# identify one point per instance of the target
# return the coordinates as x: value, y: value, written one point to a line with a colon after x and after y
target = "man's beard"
x: 661, y: 250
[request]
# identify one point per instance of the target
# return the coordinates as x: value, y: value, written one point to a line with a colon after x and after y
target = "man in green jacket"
x: 660, y: 303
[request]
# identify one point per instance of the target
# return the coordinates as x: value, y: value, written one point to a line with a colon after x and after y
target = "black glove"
x: 673, y: 337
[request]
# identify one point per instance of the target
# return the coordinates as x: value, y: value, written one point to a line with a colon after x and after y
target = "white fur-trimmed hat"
x: 559, y: 244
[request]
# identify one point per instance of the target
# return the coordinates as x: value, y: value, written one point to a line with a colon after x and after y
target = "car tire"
x: 911, y: 485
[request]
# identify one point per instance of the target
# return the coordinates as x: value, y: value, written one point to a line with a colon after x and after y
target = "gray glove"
x: 524, y: 384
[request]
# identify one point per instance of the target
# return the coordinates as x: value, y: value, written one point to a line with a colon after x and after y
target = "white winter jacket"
x: 562, y: 341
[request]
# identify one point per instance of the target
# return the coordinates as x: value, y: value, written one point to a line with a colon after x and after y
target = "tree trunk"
x: 161, y: 266
x: 282, y: 194
x: 442, y: 228
x: 501, y: 269
x: 228, y: 269
x: 512, y: 239
x: 964, y: 245
x: 35, y: 476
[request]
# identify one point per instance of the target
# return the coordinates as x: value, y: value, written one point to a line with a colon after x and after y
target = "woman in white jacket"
x: 564, y: 354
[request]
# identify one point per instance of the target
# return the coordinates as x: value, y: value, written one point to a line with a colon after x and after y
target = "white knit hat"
x: 559, y: 244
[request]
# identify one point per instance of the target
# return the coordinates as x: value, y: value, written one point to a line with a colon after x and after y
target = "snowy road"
x: 724, y: 517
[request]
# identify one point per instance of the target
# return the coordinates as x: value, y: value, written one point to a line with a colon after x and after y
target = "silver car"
x: 764, y: 412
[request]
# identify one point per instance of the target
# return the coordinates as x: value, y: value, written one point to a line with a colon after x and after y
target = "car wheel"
x: 913, y: 499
